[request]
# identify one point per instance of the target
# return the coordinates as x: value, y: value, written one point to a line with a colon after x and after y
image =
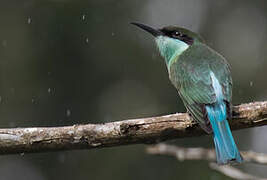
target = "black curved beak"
x: 154, y: 32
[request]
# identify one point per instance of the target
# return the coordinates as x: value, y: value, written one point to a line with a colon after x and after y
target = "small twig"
x: 254, y: 157
x: 136, y: 131
x: 182, y: 153
x: 233, y: 172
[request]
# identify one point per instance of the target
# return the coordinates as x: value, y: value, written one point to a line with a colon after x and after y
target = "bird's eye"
x: 176, y: 34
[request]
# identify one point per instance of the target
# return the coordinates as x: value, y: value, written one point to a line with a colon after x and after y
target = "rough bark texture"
x: 136, y: 131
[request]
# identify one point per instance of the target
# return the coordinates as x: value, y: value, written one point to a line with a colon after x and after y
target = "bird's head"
x: 172, y: 40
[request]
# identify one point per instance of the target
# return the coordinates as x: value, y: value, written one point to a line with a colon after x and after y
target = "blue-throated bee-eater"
x: 203, y: 80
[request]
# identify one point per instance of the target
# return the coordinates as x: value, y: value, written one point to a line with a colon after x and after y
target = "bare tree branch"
x: 233, y: 172
x: 136, y: 131
x: 182, y: 154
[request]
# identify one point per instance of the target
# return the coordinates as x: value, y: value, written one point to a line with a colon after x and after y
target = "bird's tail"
x: 226, y: 150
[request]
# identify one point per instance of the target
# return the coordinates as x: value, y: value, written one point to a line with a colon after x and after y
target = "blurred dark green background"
x: 64, y: 62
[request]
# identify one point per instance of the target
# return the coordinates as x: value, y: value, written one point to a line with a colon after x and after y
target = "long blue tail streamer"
x: 226, y: 150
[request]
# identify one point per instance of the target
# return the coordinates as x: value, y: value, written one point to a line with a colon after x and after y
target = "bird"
x: 203, y: 80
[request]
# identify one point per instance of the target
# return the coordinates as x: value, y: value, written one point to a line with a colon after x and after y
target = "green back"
x: 190, y: 74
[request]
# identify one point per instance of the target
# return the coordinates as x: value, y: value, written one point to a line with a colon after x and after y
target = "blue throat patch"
x: 170, y: 48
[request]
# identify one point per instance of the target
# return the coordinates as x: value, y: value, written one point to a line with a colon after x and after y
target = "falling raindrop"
x: 0, y: 99
x: 154, y: 56
x: 29, y: 20
x: 4, y: 43
x: 251, y: 83
x: 83, y: 17
x: 112, y: 34
x: 49, y: 90
x: 87, y: 40
x: 34, y: 100
x: 61, y: 158
x: 12, y: 90
x: 11, y: 124
x: 68, y: 112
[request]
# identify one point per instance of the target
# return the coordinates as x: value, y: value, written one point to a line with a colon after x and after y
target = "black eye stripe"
x: 171, y: 33
x: 176, y: 34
